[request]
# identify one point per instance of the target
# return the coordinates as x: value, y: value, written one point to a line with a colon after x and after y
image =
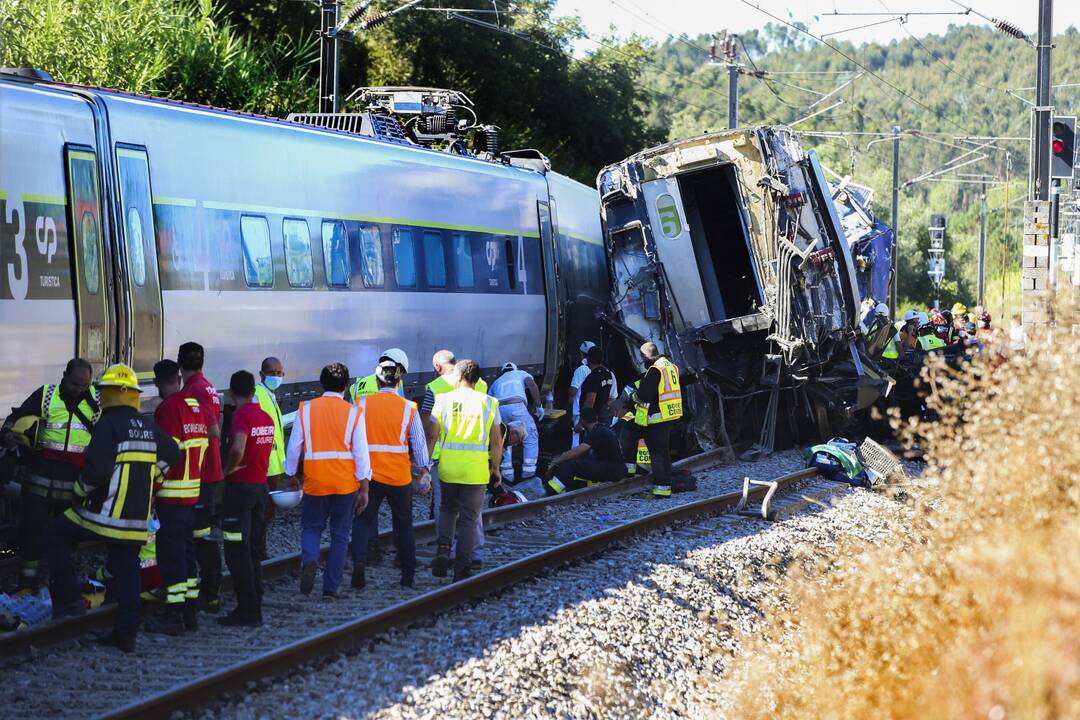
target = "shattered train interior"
x: 727, y: 251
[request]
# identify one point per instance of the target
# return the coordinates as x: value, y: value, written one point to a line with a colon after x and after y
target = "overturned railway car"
x: 131, y: 224
x: 727, y: 251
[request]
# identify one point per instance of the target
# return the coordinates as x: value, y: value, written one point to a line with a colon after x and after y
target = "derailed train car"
x: 727, y: 251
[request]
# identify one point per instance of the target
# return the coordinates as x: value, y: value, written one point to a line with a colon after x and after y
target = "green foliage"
x: 176, y: 48
x: 960, y: 77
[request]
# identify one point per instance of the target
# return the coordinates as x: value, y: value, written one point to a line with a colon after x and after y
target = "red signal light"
x: 1058, y: 146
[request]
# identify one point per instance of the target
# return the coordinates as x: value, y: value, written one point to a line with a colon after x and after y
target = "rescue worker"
x: 126, y: 455
x: 574, y: 392
x: 243, y: 525
x: 331, y: 436
x: 211, y: 491
x: 658, y: 404
x: 514, y: 389
x: 54, y: 425
x: 271, y: 373
x: 393, y: 429
x: 599, y: 387
x: 929, y: 339
x: 369, y: 385
x: 462, y: 422
x: 181, y: 417
x: 597, y: 459
x: 444, y: 363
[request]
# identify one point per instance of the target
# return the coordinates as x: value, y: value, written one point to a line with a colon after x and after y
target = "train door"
x: 142, y: 286
x: 86, y: 250
x: 555, y: 305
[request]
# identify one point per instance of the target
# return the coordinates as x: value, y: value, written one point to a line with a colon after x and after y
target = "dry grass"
x: 976, y: 614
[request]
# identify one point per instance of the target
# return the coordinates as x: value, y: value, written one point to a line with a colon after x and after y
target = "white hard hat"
x: 587, y: 346
x: 286, y: 499
x: 924, y: 319
x: 911, y: 314
x: 397, y: 355
x: 509, y: 366
x: 881, y: 309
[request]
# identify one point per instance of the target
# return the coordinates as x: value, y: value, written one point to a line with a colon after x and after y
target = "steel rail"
x: 349, y: 635
x: 17, y: 641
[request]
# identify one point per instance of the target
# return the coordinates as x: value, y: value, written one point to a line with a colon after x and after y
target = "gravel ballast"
x: 640, y: 632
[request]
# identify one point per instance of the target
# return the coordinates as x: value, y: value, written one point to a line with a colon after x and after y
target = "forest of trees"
x: 587, y: 109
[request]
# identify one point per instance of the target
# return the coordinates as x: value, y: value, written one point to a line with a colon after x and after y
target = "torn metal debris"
x: 727, y: 250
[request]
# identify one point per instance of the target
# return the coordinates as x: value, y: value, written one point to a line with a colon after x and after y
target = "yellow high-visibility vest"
x: 669, y: 393
x: 465, y: 420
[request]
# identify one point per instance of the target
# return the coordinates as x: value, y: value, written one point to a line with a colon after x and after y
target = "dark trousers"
x: 176, y: 552
x: 658, y: 440
x: 582, y: 471
x: 400, y: 499
x: 460, y: 506
x: 277, y: 482
x: 122, y: 562
x: 244, y: 530
x: 207, y: 540
x: 35, y: 512
x: 316, y: 510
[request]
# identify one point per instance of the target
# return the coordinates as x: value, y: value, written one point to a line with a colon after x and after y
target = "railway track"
x: 191, y: 670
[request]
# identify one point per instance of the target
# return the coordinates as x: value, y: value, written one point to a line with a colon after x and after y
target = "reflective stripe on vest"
x: 386, y: 418
x: 465, y: 429
x: 269, y: 404
x: 669, y: 396
x: 441, y: 385
x: 327, y: 424
x: 117, y: 517
x: 892, y: 350
x: 930, y: 342
x: 192, y: 449
x: 62, y: 433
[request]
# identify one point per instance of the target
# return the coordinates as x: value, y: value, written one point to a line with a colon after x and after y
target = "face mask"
x: 272, y: 382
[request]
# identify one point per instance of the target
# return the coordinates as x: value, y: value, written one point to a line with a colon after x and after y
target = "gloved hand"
x: 423, y: 483
x: 539, y: 413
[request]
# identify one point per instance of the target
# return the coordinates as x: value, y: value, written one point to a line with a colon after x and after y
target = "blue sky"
x: 658, y: 18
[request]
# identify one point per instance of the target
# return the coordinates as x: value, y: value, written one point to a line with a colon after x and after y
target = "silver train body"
x: 129, y: 225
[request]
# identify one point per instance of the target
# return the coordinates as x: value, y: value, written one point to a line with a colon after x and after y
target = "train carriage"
x: 133, y: 224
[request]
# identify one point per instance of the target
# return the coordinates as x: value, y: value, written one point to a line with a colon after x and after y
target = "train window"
x: 91, y: 261
x: 511, y: 272
x: 335, y: 242
x: 297, y: 252
x: 434, y: 259
x: 463, y: 263
x: 371, y: 247
x: 255, y: 240
x: 404, y: 258
x: 136, y: 248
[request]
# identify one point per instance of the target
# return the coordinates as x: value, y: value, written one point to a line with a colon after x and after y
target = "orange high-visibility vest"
x: 328, y: 424
x: 387, y: 416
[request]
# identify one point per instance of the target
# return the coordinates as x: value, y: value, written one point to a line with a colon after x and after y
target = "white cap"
x: 911, y: 314
x: 882, y: 309
x: 397, y: 355
x: 509, y: 366
x: 924, y: 319
x: 587, y: 346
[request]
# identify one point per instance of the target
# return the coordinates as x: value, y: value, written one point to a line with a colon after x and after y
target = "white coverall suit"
x: 509, y: 390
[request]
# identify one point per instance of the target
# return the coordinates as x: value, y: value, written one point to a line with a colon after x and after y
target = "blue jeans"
x: 399, y: 498
x: 316, y: 510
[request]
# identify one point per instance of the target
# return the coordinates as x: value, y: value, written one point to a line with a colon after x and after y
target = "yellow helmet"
x: 120, y: 375
x: 959, y: 309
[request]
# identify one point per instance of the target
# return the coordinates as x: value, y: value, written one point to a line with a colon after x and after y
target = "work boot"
x: 661, y: 491
x: 74, y: 608
x: 358, y: 580
x: 330, y: 594
x: 168, y: 622
x: 209, y: 603
x: 307, y: 577
x: 191, y: 617
x: 441, y: 563
x: 407, y: 580
x: 462, y: 574
x: 374, y: 554
x: 123, y: 642
x: 241, y: 619
x: 476, y: 566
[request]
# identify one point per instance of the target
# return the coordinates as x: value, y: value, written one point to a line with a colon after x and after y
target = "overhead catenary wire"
x: 900, y: 91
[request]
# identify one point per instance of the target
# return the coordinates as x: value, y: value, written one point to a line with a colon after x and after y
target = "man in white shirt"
x: 514, y: 389
x: 580, y: 373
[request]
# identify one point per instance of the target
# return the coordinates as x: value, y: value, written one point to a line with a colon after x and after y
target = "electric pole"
x: 329, y: 101
x: 895, y: 219
x: 1043, y: 109
x: 982, y: 246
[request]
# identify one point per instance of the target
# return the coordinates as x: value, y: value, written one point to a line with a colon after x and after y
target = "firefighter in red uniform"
x: 211, y: 489
x: 182, y: 418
